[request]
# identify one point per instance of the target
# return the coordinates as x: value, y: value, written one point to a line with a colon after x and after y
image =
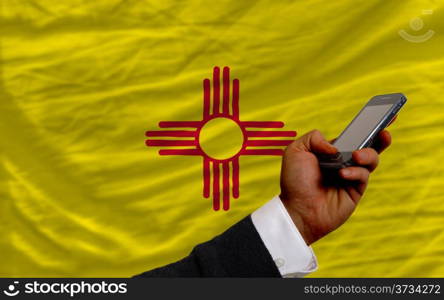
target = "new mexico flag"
x: 82, y: 81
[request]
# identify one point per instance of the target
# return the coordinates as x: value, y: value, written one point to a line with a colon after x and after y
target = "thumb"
x: 315, y: 142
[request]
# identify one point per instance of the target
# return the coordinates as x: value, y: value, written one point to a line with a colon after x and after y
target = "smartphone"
x: 360, y: 133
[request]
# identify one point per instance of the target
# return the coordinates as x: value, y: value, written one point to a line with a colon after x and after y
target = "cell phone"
x: 361, y: 132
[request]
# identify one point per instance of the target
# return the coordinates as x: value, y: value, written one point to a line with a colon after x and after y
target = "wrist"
x: 299, y: 222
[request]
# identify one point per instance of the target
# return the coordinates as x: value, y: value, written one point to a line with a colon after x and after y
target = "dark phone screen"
x: 361, y: 127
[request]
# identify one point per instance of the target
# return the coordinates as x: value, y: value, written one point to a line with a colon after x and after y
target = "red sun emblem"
x: 191, y: 140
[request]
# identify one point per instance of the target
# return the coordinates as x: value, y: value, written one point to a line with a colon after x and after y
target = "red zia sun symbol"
x: 215, y: 116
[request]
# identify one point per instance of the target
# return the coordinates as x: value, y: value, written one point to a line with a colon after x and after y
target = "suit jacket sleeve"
x: 238, y: 252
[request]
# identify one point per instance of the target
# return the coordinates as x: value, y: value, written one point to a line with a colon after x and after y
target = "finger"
x: 358, y: 174
x: 367, y: 158
x: 383, y: 141
x: 313, y: 141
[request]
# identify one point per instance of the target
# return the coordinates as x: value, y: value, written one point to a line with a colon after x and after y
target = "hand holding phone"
x: 362, y: 130
x: 319, y: 202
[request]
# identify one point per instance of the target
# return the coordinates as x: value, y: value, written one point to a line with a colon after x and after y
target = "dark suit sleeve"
x: 238, y: 252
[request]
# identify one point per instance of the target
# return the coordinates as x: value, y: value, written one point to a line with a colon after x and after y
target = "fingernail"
x: 346, y: 172
x: 363, y: 156
x: 329, y: 145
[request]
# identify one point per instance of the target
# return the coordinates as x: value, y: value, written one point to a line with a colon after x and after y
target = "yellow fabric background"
x: 81, y: 81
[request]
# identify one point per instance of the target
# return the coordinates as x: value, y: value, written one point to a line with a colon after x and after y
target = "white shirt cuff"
x: 280, y: 235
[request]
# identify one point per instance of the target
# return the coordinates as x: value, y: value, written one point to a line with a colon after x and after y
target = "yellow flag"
x: 84, y: 84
